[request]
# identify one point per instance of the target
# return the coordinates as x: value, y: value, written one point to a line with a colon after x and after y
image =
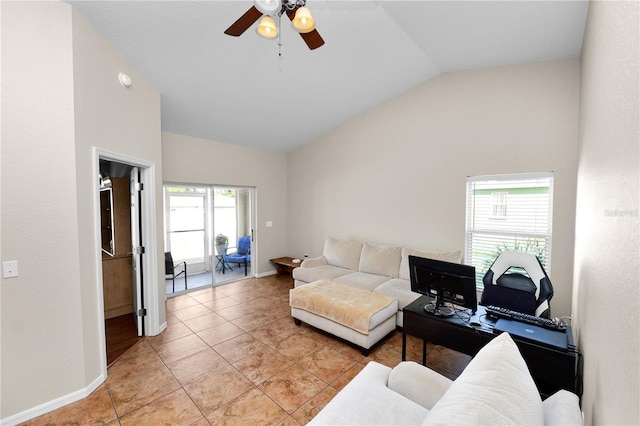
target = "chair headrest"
x: 244, y: 245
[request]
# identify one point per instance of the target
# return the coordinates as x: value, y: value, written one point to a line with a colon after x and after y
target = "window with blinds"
x: 508, y: 213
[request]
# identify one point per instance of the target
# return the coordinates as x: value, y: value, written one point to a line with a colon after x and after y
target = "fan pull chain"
x: 280, y: 35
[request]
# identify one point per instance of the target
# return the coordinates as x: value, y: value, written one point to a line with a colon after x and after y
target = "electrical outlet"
x: 10, y: 269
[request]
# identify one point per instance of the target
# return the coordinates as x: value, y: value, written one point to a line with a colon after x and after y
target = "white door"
x: 137, y: 250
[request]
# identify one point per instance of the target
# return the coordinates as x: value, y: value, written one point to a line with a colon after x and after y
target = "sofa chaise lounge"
x: 377, y: 268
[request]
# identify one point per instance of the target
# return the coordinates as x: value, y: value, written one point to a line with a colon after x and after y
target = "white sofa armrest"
x: 367, y: 400
x: 562, y: 408
x: 418, y: 383
x: 313, y: 261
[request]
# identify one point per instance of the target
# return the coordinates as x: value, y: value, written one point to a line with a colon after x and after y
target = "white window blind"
x: 508, y: 213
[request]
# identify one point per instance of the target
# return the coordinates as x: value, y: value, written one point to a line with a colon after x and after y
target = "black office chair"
x: 516, y: 291
x: 170, y: 270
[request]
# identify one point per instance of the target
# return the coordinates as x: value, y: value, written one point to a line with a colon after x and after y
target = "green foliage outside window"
x: 225, y: 192
x: 185, y: 190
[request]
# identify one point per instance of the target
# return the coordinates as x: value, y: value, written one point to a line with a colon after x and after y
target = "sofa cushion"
x: 398, y: 289
x: 360, y: 310
x: 361, y: 280
x: 324, y: 272
x: 562, y: 408
x: 496, y: 388
x: 447, y: 256
x: 380, y: 260
x: 342, y: 253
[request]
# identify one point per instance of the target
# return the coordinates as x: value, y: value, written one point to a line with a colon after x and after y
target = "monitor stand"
x: 438, y: 309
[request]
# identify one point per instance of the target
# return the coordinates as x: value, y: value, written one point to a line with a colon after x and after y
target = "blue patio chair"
x: 242, y: 254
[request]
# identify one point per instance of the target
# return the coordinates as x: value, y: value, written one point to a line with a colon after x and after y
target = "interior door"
x: 137, y: 250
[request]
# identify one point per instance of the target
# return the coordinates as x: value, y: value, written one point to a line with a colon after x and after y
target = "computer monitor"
x: 446, y: 282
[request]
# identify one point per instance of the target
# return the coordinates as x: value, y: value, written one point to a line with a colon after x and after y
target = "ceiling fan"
x: 296, y: 10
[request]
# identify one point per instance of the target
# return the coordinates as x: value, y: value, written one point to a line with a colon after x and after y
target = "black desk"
x: 551, y: 369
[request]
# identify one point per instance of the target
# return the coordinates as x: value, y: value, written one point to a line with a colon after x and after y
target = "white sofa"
x: 496, y: 388
x: 377, y: 268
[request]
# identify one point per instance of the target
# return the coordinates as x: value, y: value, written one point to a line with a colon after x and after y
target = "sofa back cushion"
x: 447, y: 256
x: 496, y: 388
x: 342, y: 253
x: 380, y: 260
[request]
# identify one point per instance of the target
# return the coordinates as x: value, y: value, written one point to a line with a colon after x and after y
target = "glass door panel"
x: 187, y: 237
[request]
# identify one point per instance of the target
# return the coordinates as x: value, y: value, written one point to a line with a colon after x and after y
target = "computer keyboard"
x: 499, y: 312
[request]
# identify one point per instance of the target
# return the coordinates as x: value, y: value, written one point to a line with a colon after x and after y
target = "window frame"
x: 484, y: 233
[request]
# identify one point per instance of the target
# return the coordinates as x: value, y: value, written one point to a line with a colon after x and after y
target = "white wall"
x: 121, y: 120
x: 396, y: 174
x: 41, y: 316
x: 607, y: 265
x: 193, y: 160
x: 60, y: 97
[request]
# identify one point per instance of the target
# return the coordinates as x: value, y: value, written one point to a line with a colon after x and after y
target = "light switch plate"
x: 269, y: 224
x: 10, y: 269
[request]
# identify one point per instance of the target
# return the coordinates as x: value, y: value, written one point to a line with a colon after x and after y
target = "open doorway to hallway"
x: 195, y: 218
x: 122, y: 278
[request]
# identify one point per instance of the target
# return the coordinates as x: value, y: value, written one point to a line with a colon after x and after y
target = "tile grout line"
x: 294, y: 361
x: 256, y: 386
x: 272, y: 335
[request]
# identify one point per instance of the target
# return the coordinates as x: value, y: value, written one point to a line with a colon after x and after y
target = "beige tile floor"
x: 232, y: 355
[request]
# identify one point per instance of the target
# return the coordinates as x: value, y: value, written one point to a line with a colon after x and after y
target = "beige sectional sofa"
x: 372, y: 267
x: 495, y: 388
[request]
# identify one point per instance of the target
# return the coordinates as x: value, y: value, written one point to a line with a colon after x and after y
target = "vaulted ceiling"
x: 250, y: 91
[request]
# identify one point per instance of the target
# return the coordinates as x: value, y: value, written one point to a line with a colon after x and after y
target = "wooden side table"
x: 284, y: 265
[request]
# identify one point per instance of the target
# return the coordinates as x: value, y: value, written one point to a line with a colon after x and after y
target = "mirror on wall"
x: 106, y: 221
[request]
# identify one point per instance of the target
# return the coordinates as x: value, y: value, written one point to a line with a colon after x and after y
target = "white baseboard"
x: 266, y: 274
x: 162, y: 328
x: 53, y: 405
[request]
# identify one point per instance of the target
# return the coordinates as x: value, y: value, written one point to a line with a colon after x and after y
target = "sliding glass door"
x: 194, y: 216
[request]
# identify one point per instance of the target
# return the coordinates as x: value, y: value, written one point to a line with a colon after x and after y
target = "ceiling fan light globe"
x: 268, y: 7
x: 267, y: 27
x: 303, y: 22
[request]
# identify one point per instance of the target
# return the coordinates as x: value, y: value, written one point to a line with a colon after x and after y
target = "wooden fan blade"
x: 244, y: 22
x: 312, y: 38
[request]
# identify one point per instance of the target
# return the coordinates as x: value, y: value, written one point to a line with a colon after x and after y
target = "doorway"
x: 120, y: 233
x: 197, y: 218
x: 133, y: 241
